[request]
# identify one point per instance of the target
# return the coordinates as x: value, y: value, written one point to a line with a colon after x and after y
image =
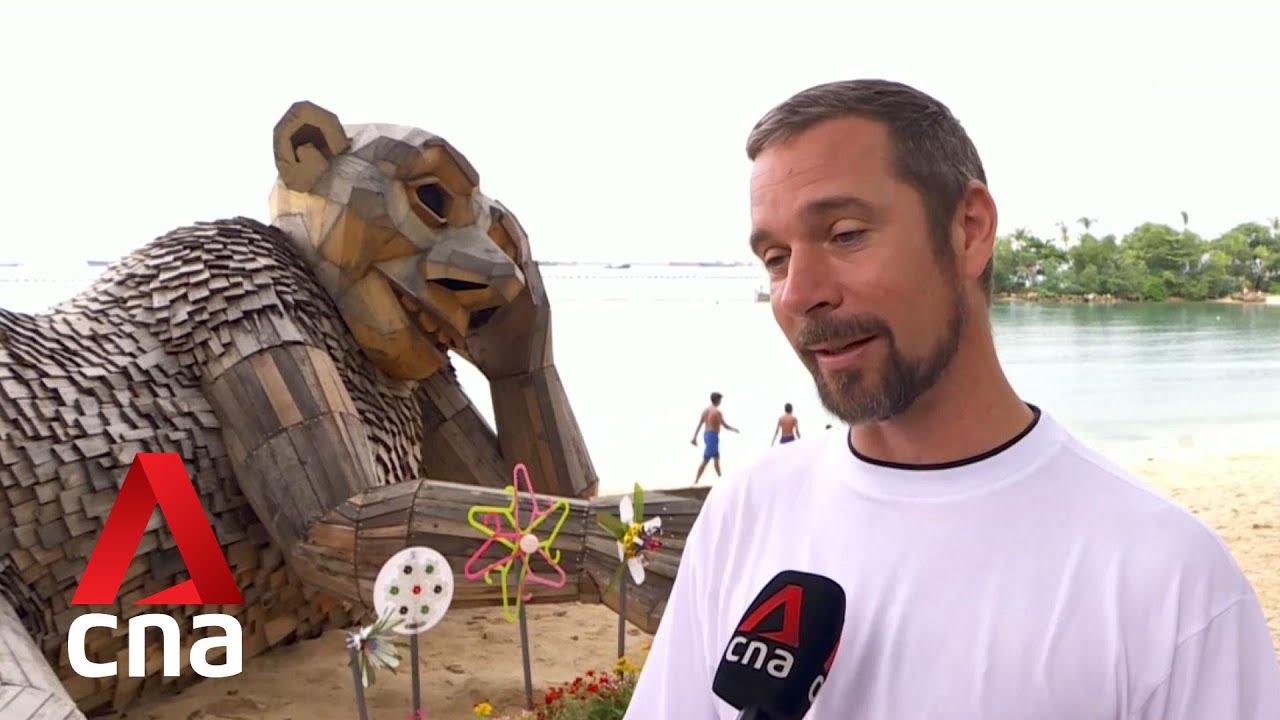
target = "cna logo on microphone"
x: 748, y: 646
x: 781, y: 651
x: 158, y: 480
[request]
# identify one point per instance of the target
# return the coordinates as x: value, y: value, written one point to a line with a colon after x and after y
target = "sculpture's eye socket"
x: 480, y: 317
x: 434, y: 198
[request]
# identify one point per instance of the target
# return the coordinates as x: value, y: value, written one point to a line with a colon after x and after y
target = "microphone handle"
x: 753, y: 713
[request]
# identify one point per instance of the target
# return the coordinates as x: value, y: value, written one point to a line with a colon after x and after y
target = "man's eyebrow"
x: 833, y: 203
x: 759, y: 238
x: 816, y: 210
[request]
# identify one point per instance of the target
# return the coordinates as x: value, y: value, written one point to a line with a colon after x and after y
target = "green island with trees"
x: 1154, y: 262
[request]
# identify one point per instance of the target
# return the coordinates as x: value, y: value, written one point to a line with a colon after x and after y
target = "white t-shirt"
x: 1040, y: 583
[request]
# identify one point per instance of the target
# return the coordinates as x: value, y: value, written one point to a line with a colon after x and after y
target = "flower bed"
x: 595, y: 695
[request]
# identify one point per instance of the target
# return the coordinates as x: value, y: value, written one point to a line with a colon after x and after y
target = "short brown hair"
x: 931, y: 150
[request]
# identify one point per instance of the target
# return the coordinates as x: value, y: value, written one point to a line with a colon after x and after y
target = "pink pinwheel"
x: 520, y: 539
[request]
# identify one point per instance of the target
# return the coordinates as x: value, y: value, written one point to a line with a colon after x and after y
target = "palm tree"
x: 1184, y: 220
x: 1087, y: 222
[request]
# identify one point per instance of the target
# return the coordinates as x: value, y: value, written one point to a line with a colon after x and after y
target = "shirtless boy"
x: 714, y: 420
x: 788, y: 426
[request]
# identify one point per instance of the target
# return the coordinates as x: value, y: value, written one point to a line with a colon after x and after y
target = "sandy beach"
x: 473, y: 655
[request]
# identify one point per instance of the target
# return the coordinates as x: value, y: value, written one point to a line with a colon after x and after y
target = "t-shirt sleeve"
x: 1227, y: 670
x: 676, y: 680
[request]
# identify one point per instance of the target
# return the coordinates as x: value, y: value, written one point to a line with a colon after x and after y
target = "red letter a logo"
x: 790, y: 598
x: 158, y: 479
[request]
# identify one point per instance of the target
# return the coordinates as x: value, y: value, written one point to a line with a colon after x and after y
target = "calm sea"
x: 641, y: 349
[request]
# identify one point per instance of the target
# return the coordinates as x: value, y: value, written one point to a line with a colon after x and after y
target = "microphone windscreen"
x: 781, y: 651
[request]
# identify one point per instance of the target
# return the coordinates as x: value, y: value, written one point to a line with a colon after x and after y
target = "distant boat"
x: 762, y: 295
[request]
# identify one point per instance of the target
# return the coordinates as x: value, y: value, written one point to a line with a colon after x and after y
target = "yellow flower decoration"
x: 635, y: 536
x: 629, y: 540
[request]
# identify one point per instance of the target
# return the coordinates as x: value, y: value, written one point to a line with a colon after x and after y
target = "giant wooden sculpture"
x: 302, y: 371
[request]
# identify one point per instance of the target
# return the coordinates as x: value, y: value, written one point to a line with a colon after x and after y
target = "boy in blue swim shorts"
x: 713, y: 419
x: 788, y: 427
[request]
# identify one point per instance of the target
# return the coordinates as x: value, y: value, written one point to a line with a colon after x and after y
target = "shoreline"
x: 1264, y: 299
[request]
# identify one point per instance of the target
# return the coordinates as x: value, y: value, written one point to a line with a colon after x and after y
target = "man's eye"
x: 849, y: 236
x: 775, y: 260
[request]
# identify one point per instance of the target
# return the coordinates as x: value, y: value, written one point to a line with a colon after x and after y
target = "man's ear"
x: 978, y: 220
x: 307, y: 139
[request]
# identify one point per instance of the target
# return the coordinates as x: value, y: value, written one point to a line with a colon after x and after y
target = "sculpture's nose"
x: 472, y: 256
x: 479, y: 275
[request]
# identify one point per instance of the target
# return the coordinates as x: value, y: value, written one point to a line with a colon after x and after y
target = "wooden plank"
x: 289, y: 408
x: 29, y: 687
x: 332, y: 475
x: 321, y: 365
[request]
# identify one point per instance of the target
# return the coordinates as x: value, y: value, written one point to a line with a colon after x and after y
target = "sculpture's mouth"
x: 453, y: 289
x: 444, y: 334
x: 448, y: 309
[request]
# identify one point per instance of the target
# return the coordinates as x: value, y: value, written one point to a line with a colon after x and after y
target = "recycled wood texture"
x: 343, y: 552
x: 28, y: 686
x: 296, y: 367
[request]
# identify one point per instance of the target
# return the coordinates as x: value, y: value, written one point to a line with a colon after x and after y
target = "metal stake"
x: 524, y: 655
x: 413, y: 658
x: 355, y: 672
x: 622, y: 616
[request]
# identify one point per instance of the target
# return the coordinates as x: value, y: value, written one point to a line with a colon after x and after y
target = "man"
x: 713, y: 419
x: 994, y: 567
x: 788, y: 426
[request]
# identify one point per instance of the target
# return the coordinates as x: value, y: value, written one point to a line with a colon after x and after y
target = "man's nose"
x: 810, y: 284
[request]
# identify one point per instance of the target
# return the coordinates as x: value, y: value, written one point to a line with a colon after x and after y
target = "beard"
x: 859, y: 396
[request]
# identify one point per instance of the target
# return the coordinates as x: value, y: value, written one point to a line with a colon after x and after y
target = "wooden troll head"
x: 392, y: 222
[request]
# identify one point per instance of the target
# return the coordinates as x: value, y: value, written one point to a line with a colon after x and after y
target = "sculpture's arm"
x: 296, y: 442
x: 458, y: 444
x: 536, y: 423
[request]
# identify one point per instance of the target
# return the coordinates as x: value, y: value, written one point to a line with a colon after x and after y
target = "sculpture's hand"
x: 536, y: 424
x: 517, y: 339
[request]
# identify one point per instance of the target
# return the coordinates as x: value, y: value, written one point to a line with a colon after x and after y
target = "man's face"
x: 858, y: 286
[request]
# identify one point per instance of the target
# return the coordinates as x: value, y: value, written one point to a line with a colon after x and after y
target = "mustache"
x: 836, y: 329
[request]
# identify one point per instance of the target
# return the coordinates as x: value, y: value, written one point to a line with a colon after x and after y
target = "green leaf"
x: 637, y: 501
x: 612, y: 525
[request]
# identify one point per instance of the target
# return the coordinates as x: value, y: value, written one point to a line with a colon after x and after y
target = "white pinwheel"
x: 375, y: 647
x: 634, y: 536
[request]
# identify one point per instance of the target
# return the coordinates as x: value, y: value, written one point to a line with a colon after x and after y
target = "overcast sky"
x: 615, y: 130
